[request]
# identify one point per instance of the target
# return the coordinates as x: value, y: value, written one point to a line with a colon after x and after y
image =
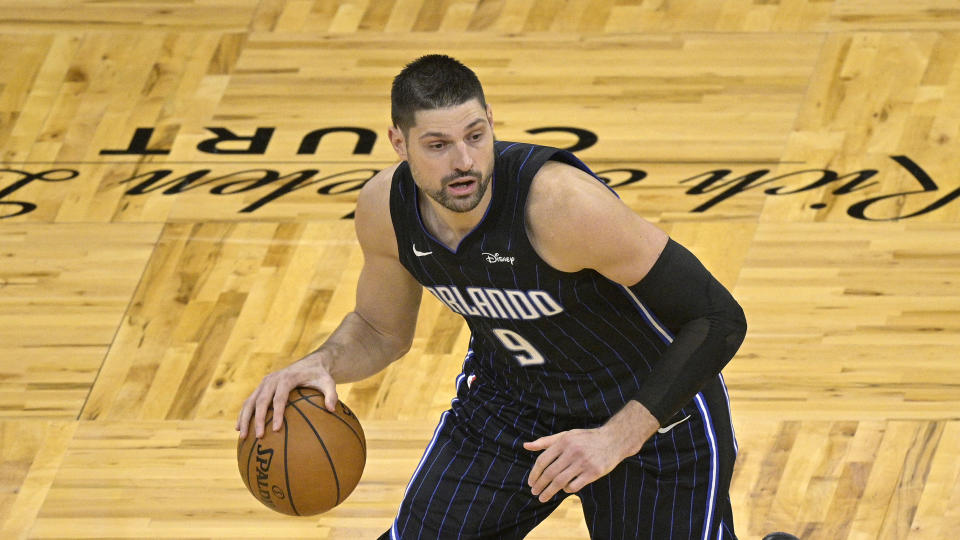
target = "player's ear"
x: 398, y: 141
x: 490, y: 115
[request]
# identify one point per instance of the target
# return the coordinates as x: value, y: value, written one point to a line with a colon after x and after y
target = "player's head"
x: 443, y: 128
x: 435, y: 81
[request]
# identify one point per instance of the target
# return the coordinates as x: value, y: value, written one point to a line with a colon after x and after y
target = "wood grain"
x: 805, y: 150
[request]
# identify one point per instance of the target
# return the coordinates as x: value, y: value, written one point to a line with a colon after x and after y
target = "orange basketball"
x: 311, y: 464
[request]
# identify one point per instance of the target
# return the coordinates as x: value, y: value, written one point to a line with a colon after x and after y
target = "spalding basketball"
x: 311, y: 464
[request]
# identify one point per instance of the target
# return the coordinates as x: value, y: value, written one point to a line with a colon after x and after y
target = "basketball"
x: 311, y: 464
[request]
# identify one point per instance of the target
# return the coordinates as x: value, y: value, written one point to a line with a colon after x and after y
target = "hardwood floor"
x: 177, y: 181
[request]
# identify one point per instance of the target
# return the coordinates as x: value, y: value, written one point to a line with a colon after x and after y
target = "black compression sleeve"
x: 708, y: 326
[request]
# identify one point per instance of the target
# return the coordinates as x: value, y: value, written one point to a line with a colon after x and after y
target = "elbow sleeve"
x: 707, y: 323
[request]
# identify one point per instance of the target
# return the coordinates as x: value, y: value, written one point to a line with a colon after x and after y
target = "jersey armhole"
x: 567, y: 158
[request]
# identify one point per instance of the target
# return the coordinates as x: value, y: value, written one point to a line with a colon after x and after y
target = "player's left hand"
x: 572, y: 459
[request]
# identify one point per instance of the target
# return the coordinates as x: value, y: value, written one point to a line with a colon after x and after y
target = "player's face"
x: 450, y: 153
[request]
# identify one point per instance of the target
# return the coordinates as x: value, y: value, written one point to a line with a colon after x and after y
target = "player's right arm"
x: 378, y: 331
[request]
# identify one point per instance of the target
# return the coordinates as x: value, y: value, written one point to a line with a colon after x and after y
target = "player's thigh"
x: 464, y: 489
x: 677, y: 487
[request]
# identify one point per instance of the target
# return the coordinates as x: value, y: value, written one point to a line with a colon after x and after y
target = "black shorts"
x: 676, y: 487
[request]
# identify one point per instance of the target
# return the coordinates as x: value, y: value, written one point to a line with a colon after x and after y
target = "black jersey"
x: 546, y: 346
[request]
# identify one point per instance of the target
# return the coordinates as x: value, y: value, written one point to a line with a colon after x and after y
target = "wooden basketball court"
x: 175, y: 199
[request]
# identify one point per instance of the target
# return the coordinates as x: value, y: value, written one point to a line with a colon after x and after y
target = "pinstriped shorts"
x: 465, y: 486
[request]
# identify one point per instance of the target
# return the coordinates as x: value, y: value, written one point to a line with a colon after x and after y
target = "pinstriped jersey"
x: 547, y: 347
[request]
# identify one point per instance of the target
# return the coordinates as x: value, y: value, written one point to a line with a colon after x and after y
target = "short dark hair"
x: 435, y: 81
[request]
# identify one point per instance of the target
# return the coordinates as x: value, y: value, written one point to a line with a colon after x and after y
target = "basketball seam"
x: 286, y: 467
x: 299, y: 399
x: 333, y: 467
x: 363, y: 445
x: 302, y: 395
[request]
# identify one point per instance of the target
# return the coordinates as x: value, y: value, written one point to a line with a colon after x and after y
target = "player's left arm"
x: 574, y: 223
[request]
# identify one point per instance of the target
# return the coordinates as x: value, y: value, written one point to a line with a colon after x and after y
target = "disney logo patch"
x: 496, y: 258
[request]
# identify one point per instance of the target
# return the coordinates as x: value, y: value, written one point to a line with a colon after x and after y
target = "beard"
x: 465, y: 203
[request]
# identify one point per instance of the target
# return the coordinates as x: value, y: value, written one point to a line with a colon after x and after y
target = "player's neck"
x: 451, y: 227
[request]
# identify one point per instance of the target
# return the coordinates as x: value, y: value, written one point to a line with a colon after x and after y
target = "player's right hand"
x: 275, y: 388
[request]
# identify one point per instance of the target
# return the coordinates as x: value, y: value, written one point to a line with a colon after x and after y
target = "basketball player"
x: 597, y: 341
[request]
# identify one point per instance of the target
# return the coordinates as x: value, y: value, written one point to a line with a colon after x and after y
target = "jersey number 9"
x: 526, y: 353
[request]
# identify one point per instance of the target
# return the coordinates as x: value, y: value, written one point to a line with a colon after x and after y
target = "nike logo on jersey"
x: 673, y: 425
x: 420, y: 253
